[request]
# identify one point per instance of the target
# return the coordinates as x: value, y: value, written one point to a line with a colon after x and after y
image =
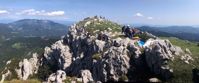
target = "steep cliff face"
x: 94, y: 52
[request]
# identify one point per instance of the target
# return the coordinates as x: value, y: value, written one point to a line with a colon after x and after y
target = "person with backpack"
x: 123, y: 29
x: 128, y: 32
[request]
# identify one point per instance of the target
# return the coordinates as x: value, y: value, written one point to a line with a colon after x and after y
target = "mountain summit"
x: 95, y: 50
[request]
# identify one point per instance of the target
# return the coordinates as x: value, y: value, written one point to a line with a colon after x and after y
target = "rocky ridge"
x: 83, y: 55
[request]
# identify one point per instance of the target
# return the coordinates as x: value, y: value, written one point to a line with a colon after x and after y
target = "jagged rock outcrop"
x: 186, y: 57
x: 81, y: 53
x: 157, y: 54
x: 28, y: 67
x: 58, y: 54
x: 115, y: 62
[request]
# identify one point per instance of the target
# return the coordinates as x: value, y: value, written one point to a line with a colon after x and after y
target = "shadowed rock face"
x: 195, y: 73
x: 83, y: 55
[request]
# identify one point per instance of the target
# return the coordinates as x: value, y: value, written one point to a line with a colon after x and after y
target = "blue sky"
x: 156, y: 12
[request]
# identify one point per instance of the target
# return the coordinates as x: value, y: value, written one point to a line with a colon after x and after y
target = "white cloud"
x: 143, y: 16
x: 4, y: 12
x: 56, y: 13
x: 150, y: 18
x: 41, y: 12
x: 139, y: 15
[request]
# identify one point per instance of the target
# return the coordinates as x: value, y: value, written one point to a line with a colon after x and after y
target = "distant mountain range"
x: 47, y: 28
x: 32, y: 28
x: 182, y: 32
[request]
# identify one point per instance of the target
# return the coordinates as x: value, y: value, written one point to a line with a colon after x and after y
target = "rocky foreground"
x: 82, y: 55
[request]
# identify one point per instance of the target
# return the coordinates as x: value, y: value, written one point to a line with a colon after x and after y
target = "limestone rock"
x: 8, y: 62
x: 159, y: 52
x: 4, y: 76
x: 115, y: 63
x: 100, y: 45
x: 179, y: 51
x: 86, y: 76
x: 150, y: 35
x: 57, y: 77
x: 154, y: 80
x: 157, y: 56
x: 58, y: 54
x: 27, y: 67
x: 116, y: 42
x: 187, y: 56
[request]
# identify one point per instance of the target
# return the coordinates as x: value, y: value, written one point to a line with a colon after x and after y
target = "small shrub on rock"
x: 123, y: 78
x: 96, y: 56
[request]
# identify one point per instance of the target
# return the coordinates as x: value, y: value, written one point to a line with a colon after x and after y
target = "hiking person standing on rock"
x: 123, y: 29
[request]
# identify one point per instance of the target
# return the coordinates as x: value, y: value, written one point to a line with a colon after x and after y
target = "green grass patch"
x: 23, y: 81
x: 96, y: 56
x: 102, y: 26
x: 119, y: 36
x: 18, y: 45
x: 70, y: 79
x: 123, y: 78
x: 183, y: 71
x: 143, y: 36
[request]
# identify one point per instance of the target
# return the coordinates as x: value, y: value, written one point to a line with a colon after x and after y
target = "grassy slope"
x: 182, y: 71
x: 23, y: 81
x: 100, y: 25
x: 104, y: 25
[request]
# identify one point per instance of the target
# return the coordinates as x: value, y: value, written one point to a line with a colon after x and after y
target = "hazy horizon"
x: 153, y: 12
x: 67, y: 22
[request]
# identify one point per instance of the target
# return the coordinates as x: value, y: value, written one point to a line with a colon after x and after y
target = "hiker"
x: 128, y: 32
x: 123, y: 29
x: 99, y: 37
x: 133, y: 31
